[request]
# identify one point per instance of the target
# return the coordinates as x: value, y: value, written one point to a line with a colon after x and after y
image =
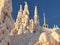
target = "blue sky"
x: 50, y: 7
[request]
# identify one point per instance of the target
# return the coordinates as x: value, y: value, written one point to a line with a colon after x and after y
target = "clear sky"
x: 50, y: 7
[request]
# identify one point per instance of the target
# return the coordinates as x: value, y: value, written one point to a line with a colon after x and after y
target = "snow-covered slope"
x: 25, y: 39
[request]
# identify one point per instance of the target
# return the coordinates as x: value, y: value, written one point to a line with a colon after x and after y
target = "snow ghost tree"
x: 4, y: 35
x: 45, y: 39
x: 31, y: 27
x: 5, y: 13
x: 25, y: 17
x: 6, y: 21
x: 56, y: 37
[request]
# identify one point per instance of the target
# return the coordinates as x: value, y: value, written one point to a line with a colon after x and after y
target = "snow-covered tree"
x: 36, y: 20
x: 5, y: 14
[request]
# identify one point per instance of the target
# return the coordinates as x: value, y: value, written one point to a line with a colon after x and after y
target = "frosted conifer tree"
x: 36, y: 20
x: 5, y: 13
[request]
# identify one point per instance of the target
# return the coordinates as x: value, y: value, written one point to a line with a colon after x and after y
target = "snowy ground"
x: 26, y: 39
